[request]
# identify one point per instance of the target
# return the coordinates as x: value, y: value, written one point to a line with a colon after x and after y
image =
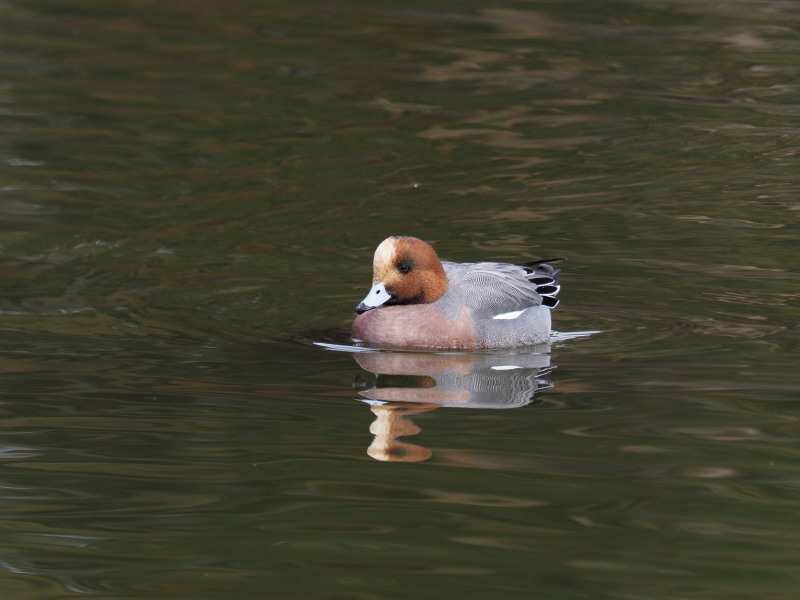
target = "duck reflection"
x: 409, y: 383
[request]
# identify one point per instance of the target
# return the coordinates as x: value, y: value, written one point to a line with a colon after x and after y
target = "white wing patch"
x: 510, y: 315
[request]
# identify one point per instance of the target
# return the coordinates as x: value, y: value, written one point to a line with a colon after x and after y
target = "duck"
x: 418, y: 300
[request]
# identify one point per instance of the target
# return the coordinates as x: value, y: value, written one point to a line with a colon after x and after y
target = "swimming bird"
x: 418, y: 300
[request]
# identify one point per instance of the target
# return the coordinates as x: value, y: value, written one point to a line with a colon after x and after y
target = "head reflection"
x: 409, y: 383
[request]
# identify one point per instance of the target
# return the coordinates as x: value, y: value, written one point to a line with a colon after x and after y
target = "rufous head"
x: 405, y: 270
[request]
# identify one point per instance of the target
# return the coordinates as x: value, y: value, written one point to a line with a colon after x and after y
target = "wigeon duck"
x: 418, y: 300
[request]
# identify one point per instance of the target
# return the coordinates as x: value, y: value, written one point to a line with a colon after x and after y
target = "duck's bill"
x: 376, y: 297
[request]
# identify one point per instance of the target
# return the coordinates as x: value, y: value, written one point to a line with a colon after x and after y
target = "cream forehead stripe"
x: 383, y: 255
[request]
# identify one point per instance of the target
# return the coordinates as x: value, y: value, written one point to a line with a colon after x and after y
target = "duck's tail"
x: 542, y: 275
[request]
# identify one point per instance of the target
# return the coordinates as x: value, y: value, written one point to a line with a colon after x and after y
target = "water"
x: 191, y: 194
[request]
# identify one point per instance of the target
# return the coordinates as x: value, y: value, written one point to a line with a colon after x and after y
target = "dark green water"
x: 190, y: 194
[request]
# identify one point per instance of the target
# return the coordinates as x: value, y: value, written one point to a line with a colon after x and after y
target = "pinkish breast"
x: 415, y: 325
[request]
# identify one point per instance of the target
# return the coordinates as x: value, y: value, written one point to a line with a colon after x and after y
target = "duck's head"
x: 405, y: 270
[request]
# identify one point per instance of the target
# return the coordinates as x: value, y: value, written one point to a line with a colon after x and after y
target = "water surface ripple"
x: 190, y: 195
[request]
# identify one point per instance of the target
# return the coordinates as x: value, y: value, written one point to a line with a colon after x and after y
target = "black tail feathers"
x: 545, y: 278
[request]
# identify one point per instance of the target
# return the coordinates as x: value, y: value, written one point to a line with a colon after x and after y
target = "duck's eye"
x: 404, y: 267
